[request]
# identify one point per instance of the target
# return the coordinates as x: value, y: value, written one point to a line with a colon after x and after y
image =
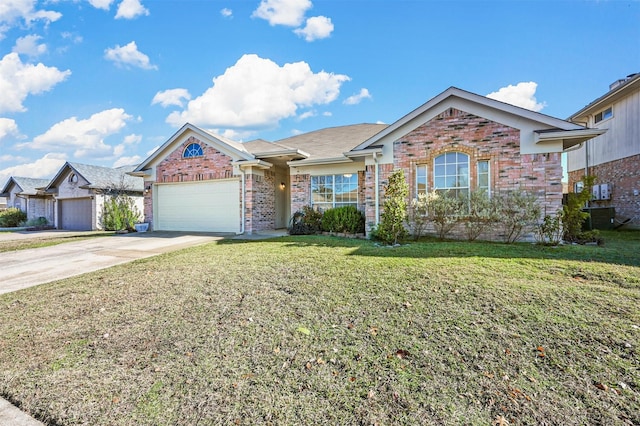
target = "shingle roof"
x: 260, y: 145
x: 333, y: 141
x: 106, y: 177
x: 29, y: 186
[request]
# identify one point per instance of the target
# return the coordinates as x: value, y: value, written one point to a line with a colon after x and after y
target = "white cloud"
x: 317, y: 27
x: 8, y: 127
x: 522, y: 95
x: 283, y: 12
x: 18, y: 80
x: 12, y: 11
x: 129, y: 55
x: 86, y: 137
x: 358, y: 97
x: 127, y: 161
x: 44, y: 167
x: 6, y: 158
x: 258, y: 93
x: 130, y: 9
x: 307, y: 114
x: 227, y: 13
x: 327, y: 114
x: 101, y: 4
x: 28, y: 45
x: 171, y: 97
x: 132, y: 139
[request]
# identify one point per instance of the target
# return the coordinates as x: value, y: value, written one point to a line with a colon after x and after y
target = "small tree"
x: 391, y: 228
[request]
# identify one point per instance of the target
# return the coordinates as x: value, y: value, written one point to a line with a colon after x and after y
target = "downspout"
x: 377, y: 188
x: 244, y: 194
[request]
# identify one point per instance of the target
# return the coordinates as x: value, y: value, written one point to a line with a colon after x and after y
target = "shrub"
x: 305, y: 222
x: 549, y: 232
x: 120, y: 213
x: 518, y: 212
x: 483, y: 212
x: 41, y: 221
x: 391, y: 228
x: 417, y: 216
x: 12, y: 217
x: 343, y: 219
x: 572, y: 215
x: 445, y: 211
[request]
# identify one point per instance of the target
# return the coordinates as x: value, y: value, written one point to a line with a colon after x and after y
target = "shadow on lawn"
x: 622, y: 248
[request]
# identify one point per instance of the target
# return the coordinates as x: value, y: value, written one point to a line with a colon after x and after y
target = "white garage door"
x: 212, y: 206
x: 75, y: 214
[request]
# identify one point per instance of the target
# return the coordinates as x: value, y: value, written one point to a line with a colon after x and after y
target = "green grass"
x: 47, y: 240
x: 322, y: 330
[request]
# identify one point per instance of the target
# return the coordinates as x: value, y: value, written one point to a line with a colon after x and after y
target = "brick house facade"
x: 518, y: 148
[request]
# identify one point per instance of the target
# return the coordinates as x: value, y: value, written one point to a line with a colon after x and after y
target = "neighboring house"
x: 198, y: 181
x: 28, y: 195
x: 80, y: 191
x: 614, y: 157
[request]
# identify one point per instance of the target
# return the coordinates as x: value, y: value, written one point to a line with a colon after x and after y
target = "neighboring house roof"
x: 570, y: 133
x: 28, y: 186
x: 99, y: 177
x: 618, y: 90
x: 331, y: 143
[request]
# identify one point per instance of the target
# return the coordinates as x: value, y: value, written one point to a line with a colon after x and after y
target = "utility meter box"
x: 605, y: 191
x: 595, y: 192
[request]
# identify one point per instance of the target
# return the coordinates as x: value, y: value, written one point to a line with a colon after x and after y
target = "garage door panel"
x: 75, y: 214
x: 211, y: 206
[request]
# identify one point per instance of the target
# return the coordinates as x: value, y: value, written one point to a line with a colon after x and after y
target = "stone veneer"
x: 623, y: 176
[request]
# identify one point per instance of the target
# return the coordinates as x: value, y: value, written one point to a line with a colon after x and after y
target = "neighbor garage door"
x: 75, y: 214
x: 212, y: 206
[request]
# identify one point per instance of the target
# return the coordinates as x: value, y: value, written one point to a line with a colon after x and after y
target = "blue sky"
x: 105, y: 82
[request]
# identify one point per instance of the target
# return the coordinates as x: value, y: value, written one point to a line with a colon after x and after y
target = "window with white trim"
x: 421, y: 179
x: 330, y: 191
x: 451, y: 173
x: 192, y: 150
x: 604, y: 115
x: 484, y: 181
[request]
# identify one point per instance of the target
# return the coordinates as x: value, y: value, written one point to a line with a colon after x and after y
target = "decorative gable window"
x: 451, y: 173
x: 604, y: 115
x: 73, y: 178
x: 193, y: 150
x: 330, y: 191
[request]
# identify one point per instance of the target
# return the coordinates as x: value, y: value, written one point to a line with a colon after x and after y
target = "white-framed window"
x: 578, y: 187
x: 328, y: 191
x: 604, y: 115
x: 484, y: 177
x: 421, y: 179
x: 451, y: 173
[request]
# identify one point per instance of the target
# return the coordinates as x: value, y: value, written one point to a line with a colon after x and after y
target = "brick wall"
x: 481, y: 139
x: 300, y: 191
x: 624, y: 177
x: 384, y: 171
x: 260, y: 202
x: 148, y: 203
x: 212, y: 165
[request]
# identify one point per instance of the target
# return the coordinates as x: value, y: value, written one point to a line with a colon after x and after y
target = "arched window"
x: 451, y: 173
x: 193, y: 150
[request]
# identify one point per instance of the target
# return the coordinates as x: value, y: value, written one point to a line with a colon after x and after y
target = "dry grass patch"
x: 47, y: 240
x: 320, y: 330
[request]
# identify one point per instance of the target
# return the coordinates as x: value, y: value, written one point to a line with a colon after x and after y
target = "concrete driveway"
x: 31, y: 267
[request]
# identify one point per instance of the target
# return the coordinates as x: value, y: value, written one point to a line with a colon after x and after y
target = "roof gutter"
x: 319, y: 161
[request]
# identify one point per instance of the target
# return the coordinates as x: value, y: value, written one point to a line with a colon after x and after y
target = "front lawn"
x: 322, y: 330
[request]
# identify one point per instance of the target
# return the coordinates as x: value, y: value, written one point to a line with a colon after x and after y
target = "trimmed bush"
x: 343, y: 219
x: 391, y: 229
x: 12, y: 218
x: 305, y: 222
x: 519, y: 213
